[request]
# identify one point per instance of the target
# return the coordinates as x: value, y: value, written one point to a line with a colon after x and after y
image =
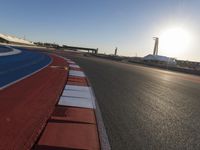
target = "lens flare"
x: 175, y: 41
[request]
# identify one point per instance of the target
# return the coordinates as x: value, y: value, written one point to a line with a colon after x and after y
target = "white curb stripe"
x: 82, y: 94
x: 76, y: 73
x: 78, y: 92
x: 75, y: 102
x: 74, y: 66
x: 77, y: 88
x: 70, y: 62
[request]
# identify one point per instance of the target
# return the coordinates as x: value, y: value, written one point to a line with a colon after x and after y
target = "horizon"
x: 128, y: 25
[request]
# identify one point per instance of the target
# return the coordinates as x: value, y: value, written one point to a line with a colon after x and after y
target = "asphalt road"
x: 145, y: 108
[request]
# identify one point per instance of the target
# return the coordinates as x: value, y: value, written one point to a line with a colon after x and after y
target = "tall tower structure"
x: 115, y: 51
x: 155, y: 50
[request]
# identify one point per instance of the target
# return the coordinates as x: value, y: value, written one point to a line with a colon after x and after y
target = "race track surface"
x: 145, y: 108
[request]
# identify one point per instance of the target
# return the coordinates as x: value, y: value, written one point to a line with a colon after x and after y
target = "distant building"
x: 188, y: 64
x: 159, y: 60
x: 48, y: 45
x: 14, y: 40
x: 135, y: 59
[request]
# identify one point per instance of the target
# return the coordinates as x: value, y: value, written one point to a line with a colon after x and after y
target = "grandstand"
x: 14, y: 40
x: 158, y: 59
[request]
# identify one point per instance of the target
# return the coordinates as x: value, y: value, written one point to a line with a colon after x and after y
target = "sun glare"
x: 174, y: 41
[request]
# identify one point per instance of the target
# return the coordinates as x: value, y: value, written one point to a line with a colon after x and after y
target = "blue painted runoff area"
x: 4, y: 49
x: 15, y: 67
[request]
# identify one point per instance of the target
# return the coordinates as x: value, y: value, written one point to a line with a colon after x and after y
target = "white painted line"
x: 13, y: 52
x: 82, y: 94
x: 93, y: 98
x: 75, y: 102
x: 103, y: 137
x: 76, y: 73
x: 74, y: 66
x: 77, y: 88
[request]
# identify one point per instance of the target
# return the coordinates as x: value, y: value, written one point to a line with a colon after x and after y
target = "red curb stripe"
x: 46, y: 147
x: 77, y: 69
x: 77, y: 83
x: 70, y: 135
x: 74, y: 114
x: 77, y: 79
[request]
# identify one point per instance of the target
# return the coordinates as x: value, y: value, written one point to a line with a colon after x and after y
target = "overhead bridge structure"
x: 93, y: 50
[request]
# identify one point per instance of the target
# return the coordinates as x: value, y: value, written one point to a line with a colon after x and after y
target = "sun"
x: 174, y: 41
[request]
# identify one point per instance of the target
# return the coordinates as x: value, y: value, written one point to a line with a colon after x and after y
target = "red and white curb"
x: 76, y: 122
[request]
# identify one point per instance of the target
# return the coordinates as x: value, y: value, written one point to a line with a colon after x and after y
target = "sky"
x: 106, y: 24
